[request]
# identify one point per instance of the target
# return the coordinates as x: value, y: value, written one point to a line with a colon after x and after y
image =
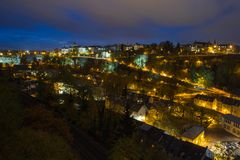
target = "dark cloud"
x: 224, y: 28
x: 123, y: 20
x: 122, y: 12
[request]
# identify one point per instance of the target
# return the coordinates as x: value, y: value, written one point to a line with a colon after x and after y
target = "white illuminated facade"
x: 15, y: 60
x: 66, y: 50
x: 106, y: 55
x: 39, y: 57
x: 139, y: 113
x: 138, y: 46
x: 83, y: 50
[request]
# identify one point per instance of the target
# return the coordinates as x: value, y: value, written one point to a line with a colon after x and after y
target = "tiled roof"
x: 136, y: 108
x: 193, y: 132
x: 175, y: 147
x: 204, y: 97
x: 232, y: 118
x: 229, y: 101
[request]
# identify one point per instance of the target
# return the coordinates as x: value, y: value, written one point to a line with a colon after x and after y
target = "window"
x: 227, y: 121
x: 225, y: 126
x: 234, y: 131
x: 236, y: 125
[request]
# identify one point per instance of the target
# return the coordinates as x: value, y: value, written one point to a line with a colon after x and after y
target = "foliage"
x: 11, y: 114
x: 167, y: 47
x: 115, y: 85
x: 109, y: 67
x: 18, y: 141
x: 37, y: 145
x: 40, y: 119
x: 141, y: 61
x: 202, y: 76
x: 132, y: 148
x: 45, y: 91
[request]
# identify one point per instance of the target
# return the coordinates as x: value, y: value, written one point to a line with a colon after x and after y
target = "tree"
x: 177, y: 48
x: 167, y: 47
x: 23, y: 59
x: 45, y: 91
x: 37, y: 145
x: 18, y: 141
x: 40, y: 119
x: 35, y: 63
x: 202, y: 76
x: 46, y: 58
x: 11, y: 114
x: 114, y: 84
x: 132, y: 148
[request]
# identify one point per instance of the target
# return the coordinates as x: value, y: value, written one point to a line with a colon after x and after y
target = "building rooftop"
x: 177, y: 148
x: 193, y: 132
x: 232, y: 118
x: 205, y: 98
x: 229, y: 101
x: 136, y: 108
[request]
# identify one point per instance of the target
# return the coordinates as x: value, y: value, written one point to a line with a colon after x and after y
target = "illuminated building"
x: 227, y: 48
x: 177, y: 148
x: 128, y: 48
x: 139, y: 112
x: 194, y: 135
x: 228, y: 106
x: 15, y: 60
x: 204, y: 101
x: 212, y: 48
x: 92, y: 50
x: 62, y: 88
x: 200, y: 47
x: 231, y: 124
x: 32, y: 57
x: 106, y: 54
x: 83, y: 50
x: 66, y: 50
x: 221, y: 104
x: 138, y: 46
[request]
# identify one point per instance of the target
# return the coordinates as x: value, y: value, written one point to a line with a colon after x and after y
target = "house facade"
x: 231, y: 124
x: 222, y: 105
x: 194, y: 135
x: 139, y: 112
x: 204, y: 101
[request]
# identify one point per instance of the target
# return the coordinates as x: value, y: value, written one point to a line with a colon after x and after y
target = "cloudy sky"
x: 38, y: 24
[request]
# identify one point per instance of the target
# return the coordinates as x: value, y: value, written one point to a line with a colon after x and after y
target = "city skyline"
x: 120, y: 80
x: 48, y: 25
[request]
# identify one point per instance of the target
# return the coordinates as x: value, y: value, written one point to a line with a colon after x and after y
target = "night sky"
x: 47, y: 24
